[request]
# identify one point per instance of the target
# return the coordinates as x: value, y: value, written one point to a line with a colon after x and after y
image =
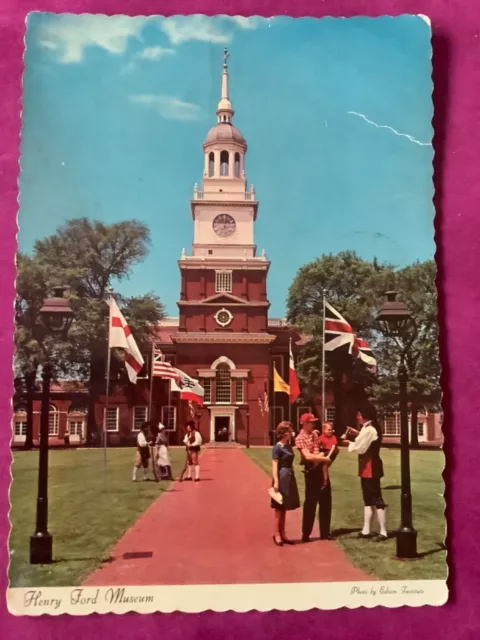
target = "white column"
x: 231, y: 164
x: 216, y: 170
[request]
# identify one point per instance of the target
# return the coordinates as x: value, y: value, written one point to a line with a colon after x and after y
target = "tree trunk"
x: 30, y: 378
x: 414, y: 427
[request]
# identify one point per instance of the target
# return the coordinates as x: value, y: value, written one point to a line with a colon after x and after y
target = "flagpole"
x: 324, y: 410
x: 107, y: 384
x: 289, y: 381
x: 151, y: 382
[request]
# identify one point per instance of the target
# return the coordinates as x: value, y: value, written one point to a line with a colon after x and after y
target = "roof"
x: 224, y: 132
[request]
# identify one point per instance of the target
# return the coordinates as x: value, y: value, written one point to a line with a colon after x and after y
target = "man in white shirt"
x: 142, y: 455
x: 193, y: 442
x: 367, y: 444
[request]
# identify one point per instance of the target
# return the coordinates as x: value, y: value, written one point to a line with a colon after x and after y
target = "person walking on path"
x: 161, y: 455
x: 142, y: 454
x: 193, y: 442
x: 366, y: 443
x: 283, y: 482
x: 307, y: 442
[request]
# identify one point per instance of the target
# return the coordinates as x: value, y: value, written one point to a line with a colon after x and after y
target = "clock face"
x: 224, y: 225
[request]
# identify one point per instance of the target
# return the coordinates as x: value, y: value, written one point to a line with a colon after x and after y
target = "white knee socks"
x: 382, y: 520
x: 367, y: 520
x: 189, y: 471
x: 197, y: 472
x: 134, y: 476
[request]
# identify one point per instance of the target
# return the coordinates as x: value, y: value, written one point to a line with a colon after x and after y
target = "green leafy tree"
x: 87, y: 257
x: 355, y: 288
x: 415, y: 286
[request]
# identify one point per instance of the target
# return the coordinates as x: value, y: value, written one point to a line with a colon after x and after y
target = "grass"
x: 377, y: 559
x: 88, y: 511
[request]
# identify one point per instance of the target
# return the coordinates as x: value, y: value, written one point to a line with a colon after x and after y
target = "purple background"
x: 456, y: 42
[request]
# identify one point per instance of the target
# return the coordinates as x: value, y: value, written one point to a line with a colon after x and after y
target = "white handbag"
x: 275, y: 495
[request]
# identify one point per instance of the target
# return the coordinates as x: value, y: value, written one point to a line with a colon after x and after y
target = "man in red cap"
x: 307, y: 442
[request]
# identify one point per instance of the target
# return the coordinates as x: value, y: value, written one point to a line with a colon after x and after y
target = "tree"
x: 87, y: 257
x: 415, y: 285
x: 355, y: 288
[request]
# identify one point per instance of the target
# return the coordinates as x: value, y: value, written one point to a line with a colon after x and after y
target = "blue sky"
x: 336, y: 112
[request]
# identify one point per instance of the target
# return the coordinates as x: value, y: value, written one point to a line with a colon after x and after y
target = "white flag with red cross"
x: 120, y: 337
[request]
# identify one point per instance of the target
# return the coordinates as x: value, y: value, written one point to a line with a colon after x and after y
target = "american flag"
x: 161, y: 368
x: 265, y: 399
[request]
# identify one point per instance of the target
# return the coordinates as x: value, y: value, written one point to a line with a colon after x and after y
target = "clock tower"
x: 223, y: 335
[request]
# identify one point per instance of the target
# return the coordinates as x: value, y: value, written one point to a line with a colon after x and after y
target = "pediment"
x: 223, y: 298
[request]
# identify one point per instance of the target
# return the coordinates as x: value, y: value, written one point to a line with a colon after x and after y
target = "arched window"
x: 211, y: 164
x: 237, y: 165
x: 53, y: 421
x: 224, y: 163
x: 76, y: 420
x: 223, y: 384
x: 20, y: 422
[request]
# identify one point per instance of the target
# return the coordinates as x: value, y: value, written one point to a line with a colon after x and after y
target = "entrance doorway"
x: 222, y: 428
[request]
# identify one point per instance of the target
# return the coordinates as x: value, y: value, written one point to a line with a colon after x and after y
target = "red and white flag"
x: 189, y: 388
x: 363, y: 351
x: 161, y: 368
x: 120, y: 337
x: 293, y: 378
x: 338, y: 332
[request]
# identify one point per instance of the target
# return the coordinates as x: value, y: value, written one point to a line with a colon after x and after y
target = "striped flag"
x: 292, y: 377
x: 161, y: 368
x: 120, y: 337
x: 189, y: 388
x: 265, y: 399
x: 338, y: 332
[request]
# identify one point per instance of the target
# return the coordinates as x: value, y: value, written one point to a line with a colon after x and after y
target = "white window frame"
x: 53, y: 411
x: 164, y: 419
x: 20, y: 422
x: 396, y: 426
x: 207, y: 389
x: 239, y: 385
x: 331, y: 414
x: 117, y: 416
x: 81, y: 422
x: 220, y: 285
x: 145, y: 419
x: 225, y: 366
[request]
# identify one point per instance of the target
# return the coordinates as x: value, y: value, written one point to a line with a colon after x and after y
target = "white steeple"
x: 225, y: 110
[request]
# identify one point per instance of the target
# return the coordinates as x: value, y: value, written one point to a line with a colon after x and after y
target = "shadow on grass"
x: 392, y: 487
x: 440, y: 547
x: 87, y: 559
x: 344, y: 532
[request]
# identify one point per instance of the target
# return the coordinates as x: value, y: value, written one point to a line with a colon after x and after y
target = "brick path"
x: 219, y: 531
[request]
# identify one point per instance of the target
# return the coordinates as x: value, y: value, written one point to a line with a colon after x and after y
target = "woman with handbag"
x: 162, y: 456
x: 284, y: 490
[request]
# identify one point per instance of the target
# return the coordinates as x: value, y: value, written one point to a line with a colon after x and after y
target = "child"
x: 328, y: 444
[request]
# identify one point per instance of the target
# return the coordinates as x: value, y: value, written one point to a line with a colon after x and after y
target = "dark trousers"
x: 315, y: 495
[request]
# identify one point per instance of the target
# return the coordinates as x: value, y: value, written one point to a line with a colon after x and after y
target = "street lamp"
x: 57, y: 317
x: 396, y: 322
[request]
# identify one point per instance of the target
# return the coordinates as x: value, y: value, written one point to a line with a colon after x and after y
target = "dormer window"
x: 223, y: 281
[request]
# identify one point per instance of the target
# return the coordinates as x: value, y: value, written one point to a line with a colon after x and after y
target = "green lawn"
x: 89, y: 511
x: 377, y: 559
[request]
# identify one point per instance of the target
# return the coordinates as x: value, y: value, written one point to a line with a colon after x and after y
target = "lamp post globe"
x: 396, y: 321
x: 57, y: 317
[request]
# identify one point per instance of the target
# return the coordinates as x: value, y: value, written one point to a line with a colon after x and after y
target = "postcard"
x: 227, y: 376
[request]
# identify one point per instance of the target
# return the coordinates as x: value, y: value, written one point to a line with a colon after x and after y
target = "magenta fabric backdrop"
x: 456, y: 44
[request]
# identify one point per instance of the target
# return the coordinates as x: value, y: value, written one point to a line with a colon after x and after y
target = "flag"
x: 189, y: 388
x: 338, y: 332
x: 363, y: 351
x: 260, y: 404
x: 191, y: 409
x: 161, y: 368
x: 120, y: 337
x: 265, y: 398
x: 279, y: 384
x: 293, y: 378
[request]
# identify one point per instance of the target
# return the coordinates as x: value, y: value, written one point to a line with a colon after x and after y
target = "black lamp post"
x: 57, y: 317
x: 397, y: 322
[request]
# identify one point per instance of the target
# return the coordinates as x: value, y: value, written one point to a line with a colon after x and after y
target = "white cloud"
x: 247, y: 23
x: 154, y: 53
x: 183, y: 28
x: 69, y: 35
x: 168, y: 107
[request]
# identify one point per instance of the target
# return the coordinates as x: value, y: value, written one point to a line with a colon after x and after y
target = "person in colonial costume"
x: 284, y: 493
x: 162, y: 456
x: 366, y: 442
x: 142, y: 454
x: 193, y: 442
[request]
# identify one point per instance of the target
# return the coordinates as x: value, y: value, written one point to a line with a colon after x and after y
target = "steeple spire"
x: 225, y: 110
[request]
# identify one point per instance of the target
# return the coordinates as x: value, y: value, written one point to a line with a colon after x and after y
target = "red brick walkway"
x: 219, y: 531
